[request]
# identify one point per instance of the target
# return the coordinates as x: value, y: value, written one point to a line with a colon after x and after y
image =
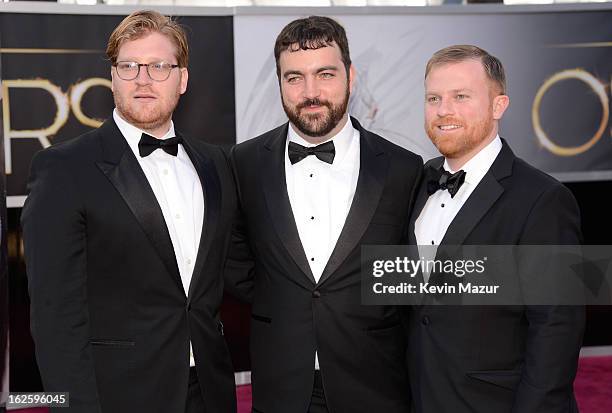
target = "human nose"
x: 311, y: 88
x: 143, y: 77
x: 445, y: 108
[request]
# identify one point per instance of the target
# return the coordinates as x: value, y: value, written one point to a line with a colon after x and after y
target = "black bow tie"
x: 442, y: 179
x: 325, y: 152
x: 148, y: 144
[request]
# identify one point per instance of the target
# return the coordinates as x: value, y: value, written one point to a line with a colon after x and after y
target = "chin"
x: 448, y: 151
x: 148, y: 117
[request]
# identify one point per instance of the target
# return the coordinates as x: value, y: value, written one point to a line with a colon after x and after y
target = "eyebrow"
x: 453, y: 91
x: 319, y: 70
x: 291, y: 72
x: 324, y: 68
x: 153, y: 60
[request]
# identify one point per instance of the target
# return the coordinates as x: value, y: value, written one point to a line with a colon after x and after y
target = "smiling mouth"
x: 448, y: 127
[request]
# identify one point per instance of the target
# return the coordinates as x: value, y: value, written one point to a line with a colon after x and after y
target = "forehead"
x: 453, y: 76
x: 293, y: 59
x: 153, y: 45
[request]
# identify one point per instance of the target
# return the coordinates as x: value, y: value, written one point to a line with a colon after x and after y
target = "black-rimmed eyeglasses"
x: 157, y: 71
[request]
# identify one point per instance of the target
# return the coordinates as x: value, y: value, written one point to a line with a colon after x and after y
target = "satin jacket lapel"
x: 419, y: 204
x: 211, y: 189
x: 374, y: 165
x: 122, y: 169
x: 421, y: 199
x: 277, y: 199
x: 481, y: 200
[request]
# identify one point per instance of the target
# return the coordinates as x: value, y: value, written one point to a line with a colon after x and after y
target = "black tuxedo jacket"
x: 359, y: 347
x: 110, y: 318
x: 519, y: 359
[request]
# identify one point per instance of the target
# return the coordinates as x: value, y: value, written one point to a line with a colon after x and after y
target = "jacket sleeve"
x: 54, y: 233
x: 413, y: 190
x: 554, y: 332
x: 240, y: 265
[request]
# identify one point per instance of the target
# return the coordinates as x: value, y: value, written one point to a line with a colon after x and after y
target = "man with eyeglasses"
x: 125, y: 233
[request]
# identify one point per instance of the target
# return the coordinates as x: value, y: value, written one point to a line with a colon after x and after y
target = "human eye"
x: 159, y: 66
x: 461, y: 96
x: 293, y: 79
x: 433, y: 99
x: 127, y: 66
x: 327, y: 75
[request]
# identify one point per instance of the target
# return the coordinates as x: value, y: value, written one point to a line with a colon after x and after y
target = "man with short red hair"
x: 125, y: 233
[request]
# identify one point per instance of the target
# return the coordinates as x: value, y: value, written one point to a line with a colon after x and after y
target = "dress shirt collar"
x: 132, y: 134
x: 342, y: 140
x: 476, y: 168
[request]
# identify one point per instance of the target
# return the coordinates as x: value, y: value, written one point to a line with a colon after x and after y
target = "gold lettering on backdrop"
x: 596, y: 86
x: 63, y: 102
x: 61, y: 115
x: 76, y: 95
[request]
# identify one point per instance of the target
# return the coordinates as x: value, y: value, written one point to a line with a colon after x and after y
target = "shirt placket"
x: 176, y: 204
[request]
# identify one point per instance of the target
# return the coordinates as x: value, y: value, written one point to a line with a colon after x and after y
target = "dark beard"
x: 317, y: 125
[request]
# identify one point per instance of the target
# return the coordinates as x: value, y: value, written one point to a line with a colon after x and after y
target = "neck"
x: 315, y: 140
x: 158, y: 132
x: 457, y: 163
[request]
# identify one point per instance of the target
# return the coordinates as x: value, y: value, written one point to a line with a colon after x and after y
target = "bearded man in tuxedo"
x: 312, y: 191
x: 514, y: 359
x: 125, y: 233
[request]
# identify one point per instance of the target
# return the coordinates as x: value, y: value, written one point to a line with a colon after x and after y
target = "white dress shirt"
x: 440, y: 209
x: 321, y: 195
x: 178, y: 191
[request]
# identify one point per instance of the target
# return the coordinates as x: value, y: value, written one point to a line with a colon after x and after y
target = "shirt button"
x: 311, y: 218
x: 432, y: 243
x: 442, y: 205
x: 311, y: 175
x: 312, y: 259
x: 188, y: 261
x: 177, y: 216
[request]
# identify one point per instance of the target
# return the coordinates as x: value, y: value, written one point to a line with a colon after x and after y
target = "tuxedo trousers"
x: 195, y: 401
x: 317, y: 400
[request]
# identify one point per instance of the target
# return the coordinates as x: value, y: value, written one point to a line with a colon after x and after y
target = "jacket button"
x: 425, y: 321
x: 316, y: 294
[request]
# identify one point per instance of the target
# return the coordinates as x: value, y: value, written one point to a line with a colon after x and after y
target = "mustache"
x: 447, y: 121
x: 315, y: 101
x: 146, y: 91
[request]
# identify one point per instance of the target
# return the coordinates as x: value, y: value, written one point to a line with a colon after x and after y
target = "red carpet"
x: 243, y: 396
x: 593, y: 385
x: 593, y: 388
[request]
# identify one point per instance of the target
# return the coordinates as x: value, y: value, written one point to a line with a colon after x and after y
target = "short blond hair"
x: 143, y: 22
x: 462, y: 52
